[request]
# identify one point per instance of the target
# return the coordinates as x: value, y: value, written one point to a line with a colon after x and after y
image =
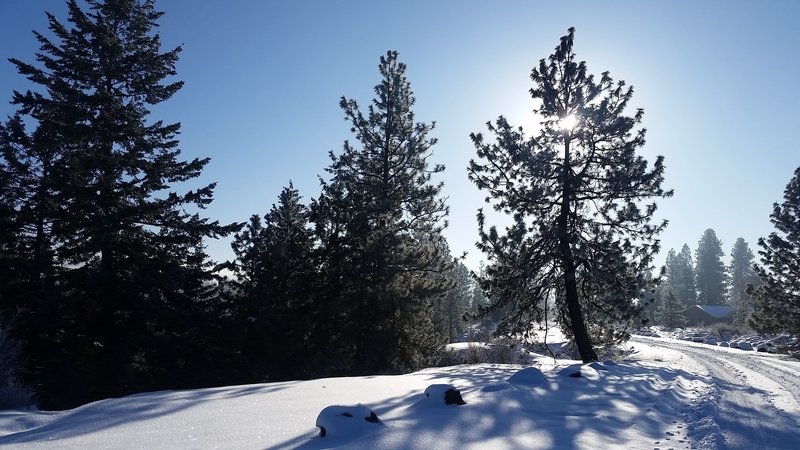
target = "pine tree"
x: 741, y: 274
x: 275, y: 274
x: 379, y: 221
x: 710, y: 271
x: 685, y: 277
x: 669, y: 312
x: 577, y: 192
x: 133, y: 272
x: 777, y: 301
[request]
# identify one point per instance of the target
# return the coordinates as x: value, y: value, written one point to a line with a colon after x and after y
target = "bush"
x: 501, y: 351
x: 727, y: 331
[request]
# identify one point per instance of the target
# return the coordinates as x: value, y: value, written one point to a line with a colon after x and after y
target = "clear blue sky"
x: 717, y: 80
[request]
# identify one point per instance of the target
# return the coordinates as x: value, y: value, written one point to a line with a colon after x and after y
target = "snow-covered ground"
x: 668, y: 394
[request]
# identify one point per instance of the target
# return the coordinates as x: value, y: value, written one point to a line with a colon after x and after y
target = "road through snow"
x: 754, y: 399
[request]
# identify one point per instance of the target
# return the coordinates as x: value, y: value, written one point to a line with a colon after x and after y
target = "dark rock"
x: 453, y: 397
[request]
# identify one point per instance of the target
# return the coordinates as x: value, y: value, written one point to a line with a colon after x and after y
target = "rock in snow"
x: 346, y: 420
x: 444, y: 394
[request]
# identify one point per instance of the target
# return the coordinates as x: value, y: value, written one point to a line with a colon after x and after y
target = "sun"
x: 568, y: 122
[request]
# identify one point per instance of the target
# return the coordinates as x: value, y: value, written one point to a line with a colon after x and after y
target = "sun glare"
x: 569, y: 122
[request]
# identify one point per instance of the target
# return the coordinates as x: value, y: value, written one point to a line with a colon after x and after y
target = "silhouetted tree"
x: 577, y: 192
x: 134, y: 279
x: 275, y: 273
x: 710, y: 271
x: 379, y: 220
x: 777, y: 301
x: 741, y: 274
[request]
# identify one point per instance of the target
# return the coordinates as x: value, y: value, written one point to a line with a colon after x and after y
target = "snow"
x: 664, y: 394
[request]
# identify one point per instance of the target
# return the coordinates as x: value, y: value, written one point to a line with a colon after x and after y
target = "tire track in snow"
x: 758, y: 396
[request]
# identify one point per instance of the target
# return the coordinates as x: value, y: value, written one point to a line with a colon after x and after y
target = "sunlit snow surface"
x: 657, y: 398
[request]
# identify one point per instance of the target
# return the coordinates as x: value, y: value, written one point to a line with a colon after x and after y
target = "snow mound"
x: 495, y: 387
x: 580, y: 371
x: 598, y: 366
x: 346, y: 420
x: 529, y: 376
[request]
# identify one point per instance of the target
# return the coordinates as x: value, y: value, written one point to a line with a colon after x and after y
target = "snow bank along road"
x: 753, y: 401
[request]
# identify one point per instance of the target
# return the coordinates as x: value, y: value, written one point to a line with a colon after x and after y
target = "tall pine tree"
x: 777, y: 301
x: 710, y: 274
x: 740, y: 275
x: 134, y: 276
x: 379, y: 221
x: 578, y: 192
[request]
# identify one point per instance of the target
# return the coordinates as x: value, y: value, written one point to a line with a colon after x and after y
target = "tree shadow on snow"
x: 107, y: 414
x: 627, y: 401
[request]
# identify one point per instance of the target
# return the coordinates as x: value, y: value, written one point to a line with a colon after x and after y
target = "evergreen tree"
x: 275, y: 274
x: 685, y: 287
x: 679, y: 277
x: 30, y: 174
x: 741, y: 274
x: 577, y: 192
x: 777, y: 301
x: 669, y: 312
x: 455, y: 303
x: 379, y: 221
x: 133, y: 281
x: 710, y: 271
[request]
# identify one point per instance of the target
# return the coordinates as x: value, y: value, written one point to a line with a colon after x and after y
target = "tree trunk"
x: 582, y: 340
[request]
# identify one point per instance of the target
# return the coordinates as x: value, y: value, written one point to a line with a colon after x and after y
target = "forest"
x: 106, y: 288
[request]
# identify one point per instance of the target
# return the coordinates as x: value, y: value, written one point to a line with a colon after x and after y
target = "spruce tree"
x: 741, y: 274
x: 379, y: 221
x: 710, y: 271
x: 134, y: 278
x: 777, y: 300
x: 275, y: 274
x: 578, y: 192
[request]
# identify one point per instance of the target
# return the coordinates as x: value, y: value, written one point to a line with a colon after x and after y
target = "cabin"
x: 697, y: 315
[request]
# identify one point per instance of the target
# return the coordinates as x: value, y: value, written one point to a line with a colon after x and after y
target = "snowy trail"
x: 747, y: 417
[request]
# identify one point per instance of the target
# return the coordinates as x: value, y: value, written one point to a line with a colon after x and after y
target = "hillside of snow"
x: 657, y: 398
